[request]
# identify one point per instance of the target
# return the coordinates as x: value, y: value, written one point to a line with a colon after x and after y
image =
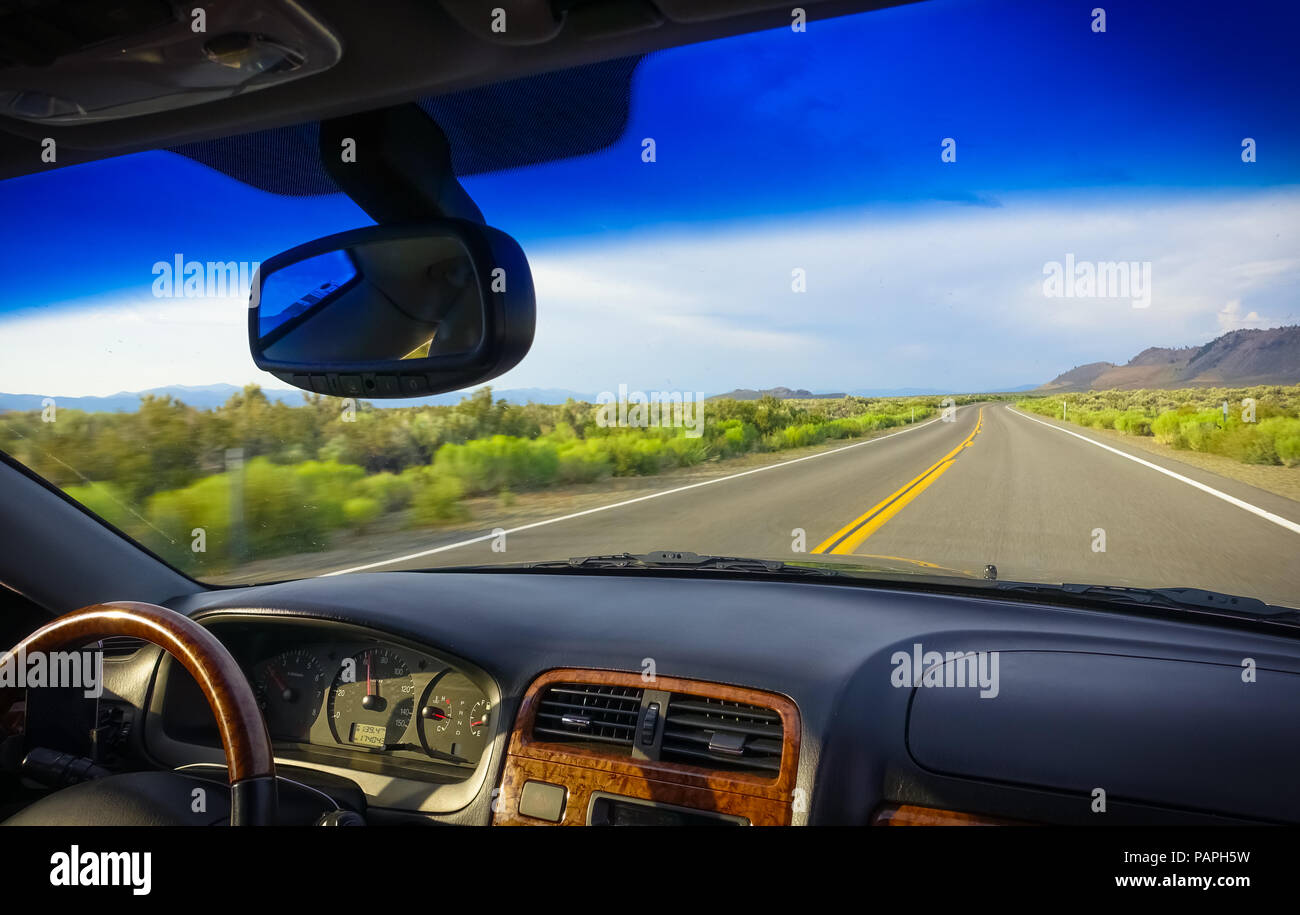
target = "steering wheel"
x: 156, y: 798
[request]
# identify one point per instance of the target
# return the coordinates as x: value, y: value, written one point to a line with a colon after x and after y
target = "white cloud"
x: 128, y: 345
x: 1231, y: 318
x: 949, y: 297
x: 945, y: 297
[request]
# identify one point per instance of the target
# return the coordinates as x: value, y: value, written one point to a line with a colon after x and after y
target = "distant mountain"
x: 208, y: 396
x: 899, y: 392
x: 1239, y: 358
x: 783, y: 393
x: 204, y: 397
x: 510, y: 395
x: 779, y: 393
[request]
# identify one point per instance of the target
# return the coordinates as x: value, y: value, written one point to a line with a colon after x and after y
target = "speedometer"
x: 371, y: 700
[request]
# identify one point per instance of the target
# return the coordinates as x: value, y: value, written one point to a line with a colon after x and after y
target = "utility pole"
x: 235, y: 469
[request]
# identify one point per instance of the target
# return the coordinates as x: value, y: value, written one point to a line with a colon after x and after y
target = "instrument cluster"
x: 372, y: 697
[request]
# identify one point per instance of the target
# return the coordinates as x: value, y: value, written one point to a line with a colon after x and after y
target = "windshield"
x: 923, y: 290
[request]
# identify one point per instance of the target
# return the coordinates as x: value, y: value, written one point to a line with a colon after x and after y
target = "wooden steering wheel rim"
x: 239, y: 720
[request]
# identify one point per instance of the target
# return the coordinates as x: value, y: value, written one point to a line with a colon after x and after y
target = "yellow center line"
x: 852, y: 535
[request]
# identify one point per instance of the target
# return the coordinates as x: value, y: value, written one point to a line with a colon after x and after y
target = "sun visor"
x: 521, y: 122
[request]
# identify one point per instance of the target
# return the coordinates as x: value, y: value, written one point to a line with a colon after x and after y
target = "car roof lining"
x: 421, y: 53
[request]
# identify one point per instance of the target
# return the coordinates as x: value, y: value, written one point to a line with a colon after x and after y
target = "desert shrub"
x: 487, y: 465
x: 687, y: 452
x: 1285, y: 432
x: 1098, y: 419
x: 280, y: 514
x: 390, y: 490
x: 1167, y: 427
x: 326, y: 485
x: 1199, y: 431
x: 1288, y: 448
x: 360, y: 511
x: 1133, y: 422
x: 109, y: 502
x: 437, y: 499
x: 583, y: 461
x: 735, y: 436
x: 800, y: 435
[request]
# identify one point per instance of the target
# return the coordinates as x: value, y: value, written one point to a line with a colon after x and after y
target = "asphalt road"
x: 993, y: 486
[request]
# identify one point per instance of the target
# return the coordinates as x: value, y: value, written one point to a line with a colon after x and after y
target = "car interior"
x: 661, y: 686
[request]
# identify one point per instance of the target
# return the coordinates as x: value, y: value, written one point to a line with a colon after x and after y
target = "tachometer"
x: 371, y: 700
x: 290, y: 688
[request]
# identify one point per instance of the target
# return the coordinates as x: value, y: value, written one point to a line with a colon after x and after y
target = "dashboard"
x: 526, y: 698
x: 340, y: 698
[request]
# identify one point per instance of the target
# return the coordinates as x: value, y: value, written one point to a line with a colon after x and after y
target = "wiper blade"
x: 1194, y: 599
x: 674, y: 559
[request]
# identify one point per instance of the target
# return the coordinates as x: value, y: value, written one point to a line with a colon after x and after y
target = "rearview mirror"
x: 393, y: 311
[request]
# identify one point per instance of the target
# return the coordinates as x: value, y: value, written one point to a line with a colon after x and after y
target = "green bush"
x: 736, y: 435
x: 800, y: 435
x: 1133, y: 422
x: 1099, y: 419
x: 280, y: 514
x: 1196, y: 423
x: 390, y: 490
x: 487, y: 465
x: 326, y: 485
x: 687, y: 452
x: 176, y: 513
x: 437, y: 499
x: 361, y: 511
x: 1199, y: 431
x: 1285, y: 432
x: 583, y: 461
x: 109, y: 502
x: 1288, y: 449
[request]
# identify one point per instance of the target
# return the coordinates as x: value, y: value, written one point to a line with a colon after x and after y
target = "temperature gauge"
x: 454, y: 719
x: 437, y: 713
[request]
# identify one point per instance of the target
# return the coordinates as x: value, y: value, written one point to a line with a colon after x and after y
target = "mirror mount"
x: 397, y: 167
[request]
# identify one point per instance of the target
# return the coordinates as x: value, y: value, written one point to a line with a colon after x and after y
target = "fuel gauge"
x: 453, y: 719
x: 478, y: 717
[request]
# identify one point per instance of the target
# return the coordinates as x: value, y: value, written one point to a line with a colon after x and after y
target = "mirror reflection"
x: 379, y: 301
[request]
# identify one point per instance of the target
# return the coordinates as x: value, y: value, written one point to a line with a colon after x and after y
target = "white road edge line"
x: 602, y: 508
x: 1232, y: 500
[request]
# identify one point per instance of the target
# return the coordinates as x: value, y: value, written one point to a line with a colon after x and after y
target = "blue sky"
x: 777, y: 151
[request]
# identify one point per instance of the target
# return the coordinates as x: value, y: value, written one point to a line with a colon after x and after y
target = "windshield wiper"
x: 1193, y: 599
x: 673, y: 559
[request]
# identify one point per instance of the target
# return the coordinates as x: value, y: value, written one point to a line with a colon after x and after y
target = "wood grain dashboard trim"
x: 913, y: 815
x: 762, y: 799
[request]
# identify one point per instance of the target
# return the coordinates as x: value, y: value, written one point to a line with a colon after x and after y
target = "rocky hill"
x: 1237, y: 359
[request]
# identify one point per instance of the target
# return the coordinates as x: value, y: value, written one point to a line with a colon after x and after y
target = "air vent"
x: 722, y: 735
x: 581, y: 712
x: 122, y: 646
